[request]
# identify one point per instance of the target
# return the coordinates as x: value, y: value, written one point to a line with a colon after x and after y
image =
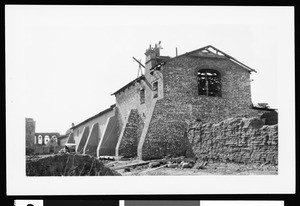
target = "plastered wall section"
x: 92, y: 140
x: 101, y: 120
x: 107, y: 145
x: 84, y: 136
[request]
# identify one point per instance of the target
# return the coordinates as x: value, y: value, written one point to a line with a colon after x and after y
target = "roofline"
x: 226, y: 55
x: 167, y: 59
x: 99, y: 114
x: 63, y: 136
x: 129, y: 84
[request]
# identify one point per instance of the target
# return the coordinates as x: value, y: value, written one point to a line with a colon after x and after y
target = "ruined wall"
x: 181, y: 89
x: 240, y: 140
x: 130, y: 136
x: 130, y: 99
x: 182, y: 105
x: 270, y: 118
x: 29, y: 132
x: 166, y: 134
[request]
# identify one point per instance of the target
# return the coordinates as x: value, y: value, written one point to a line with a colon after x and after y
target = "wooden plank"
x: 152, y: 169
x: 130, y: 165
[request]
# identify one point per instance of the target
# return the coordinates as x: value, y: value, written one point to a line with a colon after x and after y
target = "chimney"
x: 151, y: 54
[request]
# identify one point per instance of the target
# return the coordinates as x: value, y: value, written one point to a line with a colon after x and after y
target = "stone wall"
x: 30, y: 132
x: 129, y: 99
x: 181, y: 89
x: 166, y: 134
x: 178, y: 103
x: 182, y: 105
x: 239, y: 140
x: 130, y: 136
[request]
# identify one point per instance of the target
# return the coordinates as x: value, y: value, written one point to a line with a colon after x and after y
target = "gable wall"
x: 181, y: 88
x: 182, y: 105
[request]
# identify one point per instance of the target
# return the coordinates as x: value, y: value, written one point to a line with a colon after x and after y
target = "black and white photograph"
x: 57, y: 202
x: 145, y: 95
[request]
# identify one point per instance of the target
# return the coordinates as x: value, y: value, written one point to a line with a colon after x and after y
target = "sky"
x: 64, y: 62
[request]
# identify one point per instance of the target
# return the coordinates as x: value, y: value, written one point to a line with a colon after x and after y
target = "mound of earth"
x: 67, y: 165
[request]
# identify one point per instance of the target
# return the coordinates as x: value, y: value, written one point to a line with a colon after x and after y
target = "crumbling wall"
x: 30, y: 132
x: 270, y: 118
x: 181, y: 89
x: 166, y: 135
x: 240, y: 140
x: 67, y: 165
x: 181, y: 103
x: 130, y: 136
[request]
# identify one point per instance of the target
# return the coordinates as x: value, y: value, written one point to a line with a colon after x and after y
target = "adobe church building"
x: 152, y: 113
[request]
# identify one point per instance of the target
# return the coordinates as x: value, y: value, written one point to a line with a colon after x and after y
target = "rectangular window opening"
x: 142, y: 96
x: 155, y: 89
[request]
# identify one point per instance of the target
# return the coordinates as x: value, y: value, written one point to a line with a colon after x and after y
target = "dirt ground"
x: 209, y: 169
x: 136, y: 167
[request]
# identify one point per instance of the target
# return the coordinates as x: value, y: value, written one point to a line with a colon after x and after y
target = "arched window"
x: 53, y: 138
x: 47, y: 138
x: 209, y: 82
x: 40, y: 139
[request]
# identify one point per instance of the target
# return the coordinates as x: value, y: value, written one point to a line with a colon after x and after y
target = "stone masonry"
x: 129, y: 139
x: 154, y: 112
x: 239, y: 140
x: 30, y: 132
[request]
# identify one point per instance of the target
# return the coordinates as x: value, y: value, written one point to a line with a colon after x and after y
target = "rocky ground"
x: 144, y: 168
